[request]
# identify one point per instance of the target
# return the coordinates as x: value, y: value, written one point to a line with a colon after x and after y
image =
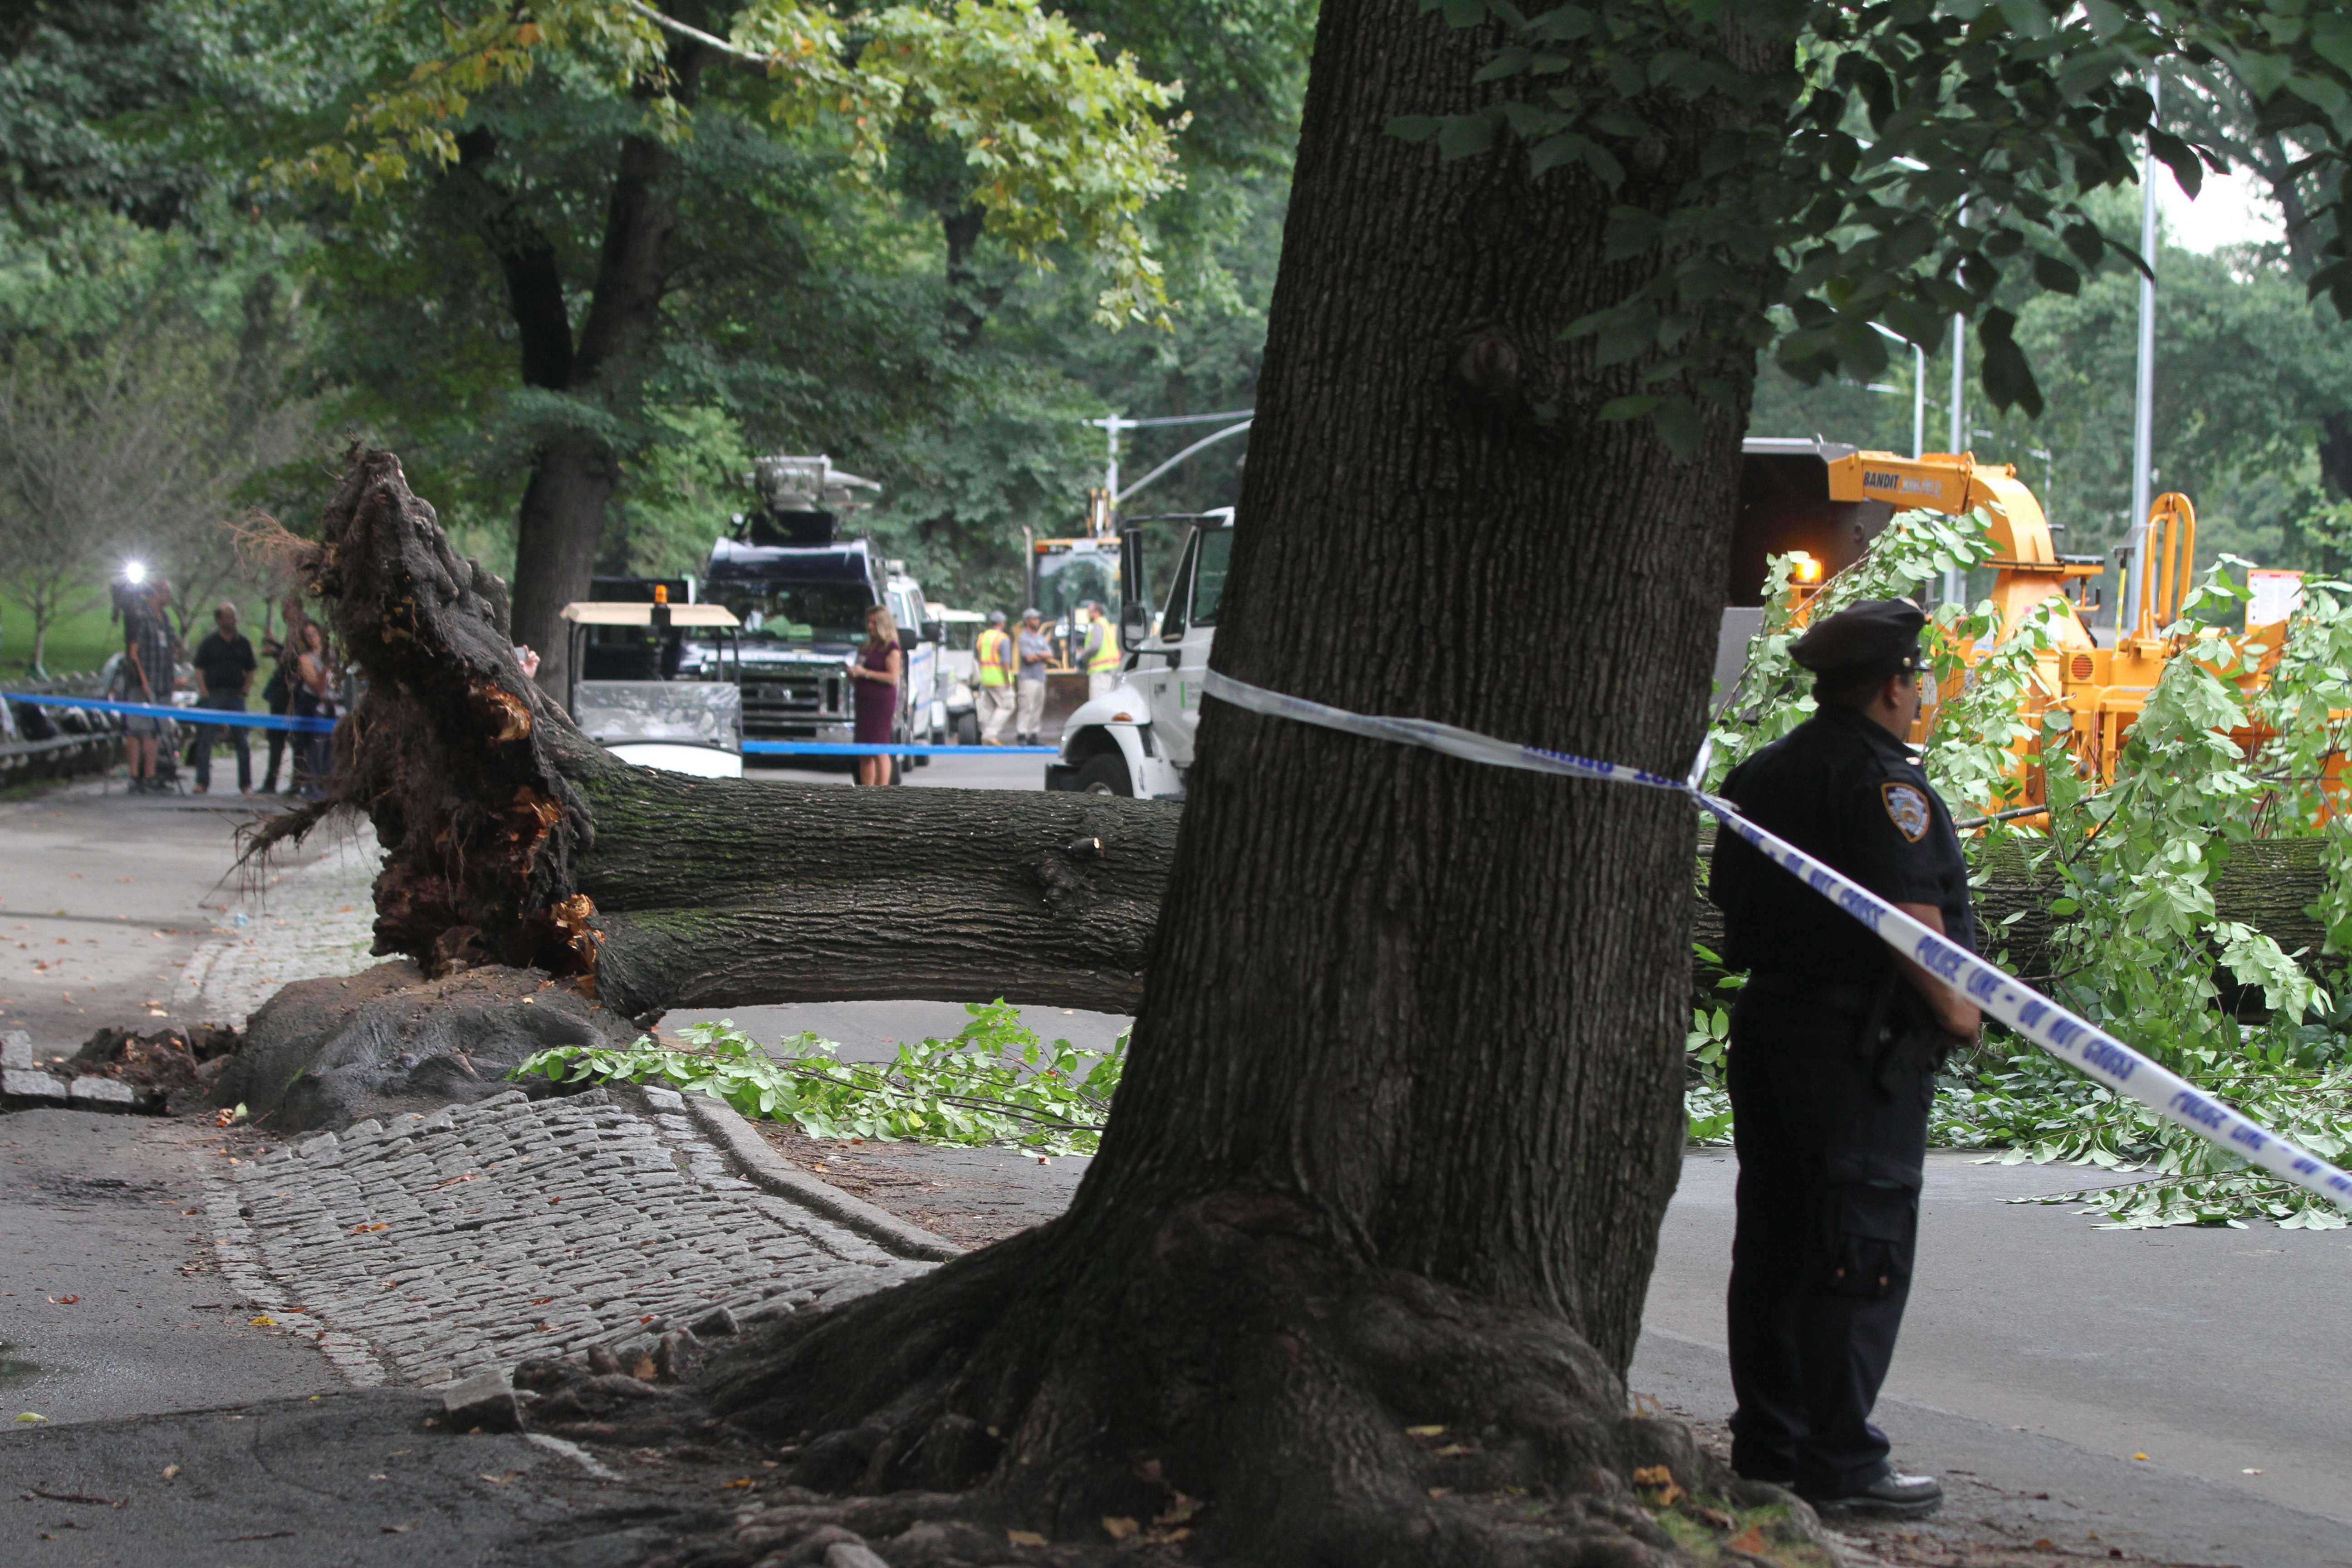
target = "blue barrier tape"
x: 2073, y: 1040
x: 184, y: 715
x: 846, y: 749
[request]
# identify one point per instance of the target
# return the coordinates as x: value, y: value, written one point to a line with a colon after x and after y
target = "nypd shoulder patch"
x: 1907, y: 807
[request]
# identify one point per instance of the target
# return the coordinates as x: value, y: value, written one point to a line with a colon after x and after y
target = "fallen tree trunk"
x: 2267, y: 884
x: 512, y: 838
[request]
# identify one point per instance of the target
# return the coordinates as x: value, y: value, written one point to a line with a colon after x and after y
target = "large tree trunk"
x: 574, y: 477
x: 1403, y: 1108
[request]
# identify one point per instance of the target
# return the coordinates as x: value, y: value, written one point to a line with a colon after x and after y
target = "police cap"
x: 1873, y: 639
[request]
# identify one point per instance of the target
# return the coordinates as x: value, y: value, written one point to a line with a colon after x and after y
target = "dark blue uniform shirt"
x: 1844, y: 791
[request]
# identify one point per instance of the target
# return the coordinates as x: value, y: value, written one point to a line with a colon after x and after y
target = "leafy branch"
x: 994, y: 1083
x: 1063, y: 145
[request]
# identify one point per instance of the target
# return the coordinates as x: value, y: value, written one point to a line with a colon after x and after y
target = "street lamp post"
x: 1112, y: 425
x: 2143, y: 407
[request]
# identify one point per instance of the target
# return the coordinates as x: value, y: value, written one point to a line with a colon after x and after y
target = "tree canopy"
x: 1893, y: 162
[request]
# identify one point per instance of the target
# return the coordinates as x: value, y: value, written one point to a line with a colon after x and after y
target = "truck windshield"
x: 1208, y: 581
x: 796, y: 612
x: 1068, y: 580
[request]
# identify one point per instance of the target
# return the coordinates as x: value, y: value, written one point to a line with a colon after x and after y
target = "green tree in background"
x: 605, y: 161
x: 141, y: 410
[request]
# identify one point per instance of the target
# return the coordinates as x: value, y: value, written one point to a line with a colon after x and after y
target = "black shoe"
x: 1890, y: 1496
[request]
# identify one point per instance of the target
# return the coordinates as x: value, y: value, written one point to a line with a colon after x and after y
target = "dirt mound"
x: 327, y: 1053
x: 183, y: 1062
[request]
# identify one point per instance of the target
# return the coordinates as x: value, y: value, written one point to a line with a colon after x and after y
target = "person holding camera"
x: 1835, y: 1043
x: 146, y: 675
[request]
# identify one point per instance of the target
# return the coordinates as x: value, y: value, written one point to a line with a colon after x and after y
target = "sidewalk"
x: 122, y: 911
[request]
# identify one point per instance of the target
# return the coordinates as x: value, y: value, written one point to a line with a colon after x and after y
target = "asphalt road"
x: 2215, y: 1352
x: 110, y: 1300
x: 350, y: 1477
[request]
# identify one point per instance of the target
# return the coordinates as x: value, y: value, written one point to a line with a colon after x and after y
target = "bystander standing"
x: 312, y: 681
x: 225, y: 670
x: 277, y: 697
x: 876, y: 672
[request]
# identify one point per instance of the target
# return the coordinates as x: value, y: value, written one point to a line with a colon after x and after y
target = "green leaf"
x: 1679, y: 427
x: 1629, y: 407
x: 2008, y: 378
x: 2181, y: 158
x: 2331, y: 37
x: 1465, y: 135
x: 1630, y: 332
x: 1413, y: 127
x: 1554, y: 150
x: 2055, y: 275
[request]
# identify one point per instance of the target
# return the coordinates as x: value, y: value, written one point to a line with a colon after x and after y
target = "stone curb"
x: 740, y: 1143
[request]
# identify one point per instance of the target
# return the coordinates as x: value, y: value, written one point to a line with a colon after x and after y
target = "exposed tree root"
x: 465, y: 768
x: 1246, y: 1389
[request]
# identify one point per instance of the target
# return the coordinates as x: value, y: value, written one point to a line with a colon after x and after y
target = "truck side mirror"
x: 935, y: 631
x: 1134, y: 621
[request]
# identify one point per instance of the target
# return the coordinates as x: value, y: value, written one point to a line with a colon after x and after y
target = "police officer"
x: 1834, y: 1045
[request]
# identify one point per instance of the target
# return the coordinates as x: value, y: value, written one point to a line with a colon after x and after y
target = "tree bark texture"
x: 1403, y: 1107
x: 512, y: 838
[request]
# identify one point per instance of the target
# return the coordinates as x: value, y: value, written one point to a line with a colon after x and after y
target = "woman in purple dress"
x: 875, y: 675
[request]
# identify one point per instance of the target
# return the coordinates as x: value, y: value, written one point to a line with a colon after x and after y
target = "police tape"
x: 305, y: 726
x: 2074, y: 1040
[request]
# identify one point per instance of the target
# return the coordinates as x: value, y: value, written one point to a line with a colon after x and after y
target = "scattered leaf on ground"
x: 1024, y: 1538
x: 1750, y: 1540
x: 1655, y: 1479
x: 1119, y: 1527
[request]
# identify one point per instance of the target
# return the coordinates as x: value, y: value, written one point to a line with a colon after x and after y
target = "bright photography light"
x: 134, y: 571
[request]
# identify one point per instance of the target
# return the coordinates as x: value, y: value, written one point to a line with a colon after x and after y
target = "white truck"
x: 1138, y: 741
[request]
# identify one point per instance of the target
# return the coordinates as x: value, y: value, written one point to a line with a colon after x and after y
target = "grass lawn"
x: 77, y: 643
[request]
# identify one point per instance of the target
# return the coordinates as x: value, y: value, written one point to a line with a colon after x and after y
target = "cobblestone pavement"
x: 312, y: 921
x: 470, y: 1239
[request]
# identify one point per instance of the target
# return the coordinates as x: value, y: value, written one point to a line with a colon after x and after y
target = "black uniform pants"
x: 1827, y: 1208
